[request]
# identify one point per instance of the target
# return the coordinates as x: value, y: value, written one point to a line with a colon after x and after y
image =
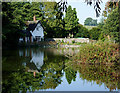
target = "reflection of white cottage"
x: 34, y: 32
x: 37, y: 59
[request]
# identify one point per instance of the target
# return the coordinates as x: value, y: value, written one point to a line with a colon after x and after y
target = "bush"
x: 101, y: 52
x: 82, y: 32
x: 95, y: 33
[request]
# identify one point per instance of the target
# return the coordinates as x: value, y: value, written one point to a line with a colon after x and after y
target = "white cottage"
x: 34, y: 32
x: 37, y: 32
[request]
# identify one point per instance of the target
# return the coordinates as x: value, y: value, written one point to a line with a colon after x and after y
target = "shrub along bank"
x: 101, y: 52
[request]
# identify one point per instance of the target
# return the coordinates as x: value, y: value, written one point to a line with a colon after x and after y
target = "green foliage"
x: 99, y: 74
x: 53, y: 21
x: 79, y: 43
x: 101, y: 52
x: 90, y: 22
x: 14, y: 15
x: 82, y: 32
x: 70, y: 75
x: 71, y: 21
x: 16, y: 77
x: 95, y: 33
x: 111, y: 26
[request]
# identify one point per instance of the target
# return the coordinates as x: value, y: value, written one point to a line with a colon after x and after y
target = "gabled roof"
x: 32, y: 25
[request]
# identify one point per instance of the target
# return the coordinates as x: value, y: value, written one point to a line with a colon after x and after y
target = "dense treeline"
x: 15, y: 14
x: 107, y: 28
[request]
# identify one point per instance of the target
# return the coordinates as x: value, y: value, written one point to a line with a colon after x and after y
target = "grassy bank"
x: 101, y: 52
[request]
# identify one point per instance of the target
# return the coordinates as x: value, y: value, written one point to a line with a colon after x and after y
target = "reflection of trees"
x: 52, y: 72
x: 70, y: 75
x: 17, y: 78
x: 21, y: 80
x: 109, y: 75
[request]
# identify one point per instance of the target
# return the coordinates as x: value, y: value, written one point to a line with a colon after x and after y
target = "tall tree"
x: 53, y: 20
x: 11, y: 22
x: 96, y: 3
x: 71, y: 20
x: 111, y: 26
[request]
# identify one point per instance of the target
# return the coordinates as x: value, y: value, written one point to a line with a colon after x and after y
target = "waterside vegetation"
x: 101, y: 52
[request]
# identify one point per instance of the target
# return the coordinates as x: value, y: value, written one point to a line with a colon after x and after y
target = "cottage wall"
x: 38, y: 31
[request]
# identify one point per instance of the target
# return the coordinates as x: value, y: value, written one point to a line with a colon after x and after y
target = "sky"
x: 84, y: 11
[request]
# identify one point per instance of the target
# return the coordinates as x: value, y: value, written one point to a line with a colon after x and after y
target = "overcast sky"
x: 84, y: 11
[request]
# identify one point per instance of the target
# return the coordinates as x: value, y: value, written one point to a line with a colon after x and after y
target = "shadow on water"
x: 33, y: 69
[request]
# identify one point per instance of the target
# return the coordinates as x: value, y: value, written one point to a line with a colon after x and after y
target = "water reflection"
x: 49, y: 69
x: 109, y: 75
x: 36, y: 58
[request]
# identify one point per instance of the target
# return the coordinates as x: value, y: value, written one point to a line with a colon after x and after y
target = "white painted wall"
x: 38, y: 31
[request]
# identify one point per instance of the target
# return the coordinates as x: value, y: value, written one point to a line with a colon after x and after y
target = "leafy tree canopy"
x: 111, y: 26
x: 82, y: 32
x: 90, y: 22
x: 95, y: 33
x: 71, y: 20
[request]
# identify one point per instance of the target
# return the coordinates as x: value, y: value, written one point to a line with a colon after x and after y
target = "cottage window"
x: 38, y: 38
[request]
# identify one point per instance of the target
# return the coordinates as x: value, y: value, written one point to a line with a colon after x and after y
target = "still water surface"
x: 36, y: 69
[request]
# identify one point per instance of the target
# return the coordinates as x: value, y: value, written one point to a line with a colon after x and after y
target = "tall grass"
x: 101, y: 52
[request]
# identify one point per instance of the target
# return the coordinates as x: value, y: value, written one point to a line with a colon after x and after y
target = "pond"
x: 49, y: 69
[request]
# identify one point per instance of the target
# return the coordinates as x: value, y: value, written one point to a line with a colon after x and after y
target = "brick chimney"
x: 34, y: 18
